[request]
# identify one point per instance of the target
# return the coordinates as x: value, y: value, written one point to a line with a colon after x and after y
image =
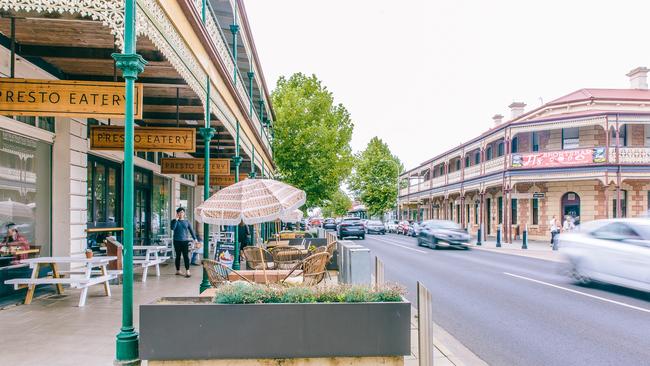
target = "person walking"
x: 554, y: 228
x: 182, y: 234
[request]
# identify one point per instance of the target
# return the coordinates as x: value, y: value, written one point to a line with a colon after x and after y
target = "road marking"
x: 579, y: 292
x: 399, y: 245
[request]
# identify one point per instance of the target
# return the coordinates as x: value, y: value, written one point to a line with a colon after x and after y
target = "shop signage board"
x: 165, y: 139
x: 221, y: 180
x: 539, y: 195
x: 225, y: 253
x: 564, y: 158
x: 67, y: 98
x: 194, y: 166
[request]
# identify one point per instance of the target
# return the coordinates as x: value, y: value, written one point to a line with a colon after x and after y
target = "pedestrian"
x: 14, y: 240
x: 183, y: 236
x: 554, y: 228
x: 568, y: 224
x: 242, y: 235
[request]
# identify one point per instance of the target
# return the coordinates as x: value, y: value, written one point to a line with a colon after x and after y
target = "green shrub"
x: 297, y: 295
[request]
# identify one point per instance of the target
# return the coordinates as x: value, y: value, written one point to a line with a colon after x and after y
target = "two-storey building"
x: 586, y: 155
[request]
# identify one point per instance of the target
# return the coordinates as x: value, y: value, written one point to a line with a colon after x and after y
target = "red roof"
x: 607, y: 94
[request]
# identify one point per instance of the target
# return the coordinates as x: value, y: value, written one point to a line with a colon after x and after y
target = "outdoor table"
x: 151, y: 258
x: 82, y: 282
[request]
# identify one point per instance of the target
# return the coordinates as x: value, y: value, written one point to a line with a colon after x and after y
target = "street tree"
x: 338, y: 205
x: 311, y: 144
x: 374, y: 177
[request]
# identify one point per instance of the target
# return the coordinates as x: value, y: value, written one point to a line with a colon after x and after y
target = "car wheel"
x: 363, y: 237
x: 577, y: 274
x: 434, y: 243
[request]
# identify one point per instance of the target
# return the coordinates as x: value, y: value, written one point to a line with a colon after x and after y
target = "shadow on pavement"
x: 624, y: 291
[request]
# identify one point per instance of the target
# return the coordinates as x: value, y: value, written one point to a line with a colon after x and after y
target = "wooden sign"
x: 221, y: 180
x: 30, y: 97
x: 194, y: 166
x: 167, y: 139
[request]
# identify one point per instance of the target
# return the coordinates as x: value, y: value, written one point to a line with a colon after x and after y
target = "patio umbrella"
x: 293, y: 216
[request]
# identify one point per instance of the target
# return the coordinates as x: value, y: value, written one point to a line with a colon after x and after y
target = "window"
x: 623, y: 204
x: 476, y: 212
x: 187, y: 201
x: 103, y: 196
x: 44, y: 123
x: 500, y: 209
x: 500, y: 149
x: 513, y: 211
x: 570, y: 138
x: 467, y: 213
x: 488, y: 153
x: 622, y: 135
x: 515, y: 145
x: 616, y: 231
x: 535, y: 141
x: 646, y: 129
x: 477, y: 158
x: 160, y: 219
x: 535, y: 211
x: 457, y: 165
x: 467, y: 161
x: 442, y: 170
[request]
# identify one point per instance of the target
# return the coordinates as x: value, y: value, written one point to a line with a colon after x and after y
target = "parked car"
x: 403, y: 227
x: 414, y: 229
x: 350, y: 226
x: 391, y: 226
x: 436, y: 233
x: 613, y: 251
x: 375, y: 227
x: 329, y: 224
x: 315, y: 222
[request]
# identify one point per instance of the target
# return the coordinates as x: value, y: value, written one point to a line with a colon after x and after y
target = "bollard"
x: 379, y: 273
x: 499, y: 236
x: 524, y: 238
x: 480, y: 234
x: 425, y: 326
x: 555, y: 241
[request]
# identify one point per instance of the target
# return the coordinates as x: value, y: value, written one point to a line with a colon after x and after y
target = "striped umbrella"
x: 251, y: 201
x: 293, y: 216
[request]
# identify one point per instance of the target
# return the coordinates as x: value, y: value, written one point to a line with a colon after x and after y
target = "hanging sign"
x: 31, y: 97
x: 559, y: 158
x: 194, y: 166
x: 166, y: 139
x: 221, y: 180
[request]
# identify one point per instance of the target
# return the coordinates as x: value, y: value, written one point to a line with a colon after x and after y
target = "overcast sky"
x: 425, y: 75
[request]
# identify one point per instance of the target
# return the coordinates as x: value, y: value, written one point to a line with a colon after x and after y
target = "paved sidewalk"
x: 536, y: 249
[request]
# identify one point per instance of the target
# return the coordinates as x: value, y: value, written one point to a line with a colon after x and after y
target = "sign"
x: 225, y: 253
x: 559, y: 158
x: 167, y: 139
x: 435, y: 206
x: 539, y: 195
x: 31, y: 97
x: 221, y: 180
x: 194, y: 166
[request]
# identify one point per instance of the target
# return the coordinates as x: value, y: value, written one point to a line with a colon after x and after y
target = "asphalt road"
x: 513, y: 310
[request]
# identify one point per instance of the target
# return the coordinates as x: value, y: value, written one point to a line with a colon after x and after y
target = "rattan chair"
x: 286, y: 257
x: 258, y: 258
x: 218, y: 273
x: 313, y: 270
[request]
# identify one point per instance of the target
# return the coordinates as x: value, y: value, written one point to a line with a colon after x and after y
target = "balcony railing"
x: 454, y: 177
x: 494, y: 165
x: 630, y: 155
x: 472, y: 171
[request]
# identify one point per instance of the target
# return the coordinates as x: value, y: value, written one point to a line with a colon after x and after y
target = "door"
x: 488, y: 215
x: 571, y: 206
x: 142, y: 215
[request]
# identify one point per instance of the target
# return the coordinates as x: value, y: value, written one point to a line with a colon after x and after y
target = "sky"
x: 426, y: 75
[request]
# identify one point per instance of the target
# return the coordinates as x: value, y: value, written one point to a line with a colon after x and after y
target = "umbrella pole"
x: 266, y: 280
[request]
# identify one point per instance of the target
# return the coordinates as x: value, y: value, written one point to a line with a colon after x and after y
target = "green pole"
x: 207, y: 132
x: 252, y: 173
x: 234, y: 28
x: 131, y: 64
x: 236, y: 161
x: 251, y: 74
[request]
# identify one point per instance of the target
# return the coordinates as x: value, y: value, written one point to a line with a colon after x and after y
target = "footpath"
x: 536, y: 249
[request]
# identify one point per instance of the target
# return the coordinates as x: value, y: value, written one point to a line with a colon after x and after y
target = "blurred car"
x: 436, y: 233
x: 391, y: 226
x: 403, y: 227
x: 329, y: 224
x: 375, y: 227
x: 350, y: 226
x: 414, y: 229
x: 315, y: 222
x: 612, y: 251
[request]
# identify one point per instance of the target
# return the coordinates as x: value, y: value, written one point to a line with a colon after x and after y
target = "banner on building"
x: 221, y: 180
x: 67, y: 98
x: 194, y: 166
x: 164, y: 139
x: 563, y: 158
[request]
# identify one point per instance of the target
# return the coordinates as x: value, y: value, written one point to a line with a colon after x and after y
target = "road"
x: 513, y: 310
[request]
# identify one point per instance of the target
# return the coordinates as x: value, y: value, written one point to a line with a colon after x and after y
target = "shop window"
x: 623, y: 204
x: 488, y: 153
x: 500, y: 209
x: 161, y: 205
x: 570, y: 138
x: 513, y: 211
x: 535, y: 141
x: 103, y: 193
x: 535, y: 211
x: 622, y: 136
x: 515, y: 145
x: 477, y: 158
x: 500, y: 149
x: 44, y: 123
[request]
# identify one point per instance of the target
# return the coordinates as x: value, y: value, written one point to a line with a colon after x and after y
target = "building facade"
x: 584, y: 155
x: 65, y: 197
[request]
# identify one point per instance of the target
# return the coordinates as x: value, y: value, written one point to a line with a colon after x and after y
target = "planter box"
x: 195, y: 328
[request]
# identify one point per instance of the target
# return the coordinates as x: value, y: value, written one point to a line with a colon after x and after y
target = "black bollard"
x: 499, y: 236
x: 524, y: 238
x: 478, y: 238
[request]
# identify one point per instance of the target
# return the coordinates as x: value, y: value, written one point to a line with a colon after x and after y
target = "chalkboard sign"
x: 225, y: 253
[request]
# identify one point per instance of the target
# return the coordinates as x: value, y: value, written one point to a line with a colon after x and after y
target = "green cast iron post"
x: 236, y: 161
x: 252, y: 173
x: 131, y: 64
x: 234, y: 28
x: 251, y: 74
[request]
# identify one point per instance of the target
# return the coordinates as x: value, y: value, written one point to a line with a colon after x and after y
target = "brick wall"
x: 592, y: 136
x: 635, y: 135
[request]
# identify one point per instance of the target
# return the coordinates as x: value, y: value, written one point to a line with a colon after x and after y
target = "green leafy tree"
x: 338, y: 205
x: 311, y: 143
x: 374, y: 178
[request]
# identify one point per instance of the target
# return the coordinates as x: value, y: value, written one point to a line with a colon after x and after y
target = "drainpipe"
x: 131, y: 65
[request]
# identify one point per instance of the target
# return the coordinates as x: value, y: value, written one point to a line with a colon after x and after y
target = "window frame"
x: 534, y: 211
x: 565, y: 139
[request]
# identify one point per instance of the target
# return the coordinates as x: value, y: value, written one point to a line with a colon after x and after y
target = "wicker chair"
x: 286, y: 257
x: 313, y: 270
x: 218, y: 272
x: 258, y: 258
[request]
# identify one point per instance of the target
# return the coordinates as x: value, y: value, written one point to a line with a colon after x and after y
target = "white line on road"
x: 579, y: 292
x: 399, y: 245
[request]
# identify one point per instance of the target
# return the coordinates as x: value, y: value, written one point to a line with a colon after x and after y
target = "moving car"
x: 315, y: 222
x: 437, y: 233
x: 613, y: 251
x: 414, y: 229
x: 403, y: 227
x: 375, y: 227
x: 391, y: 226
x: 350, y: 226
x: 329, y: 224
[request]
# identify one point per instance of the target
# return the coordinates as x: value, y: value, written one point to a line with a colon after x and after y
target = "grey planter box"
x: 196, y: 328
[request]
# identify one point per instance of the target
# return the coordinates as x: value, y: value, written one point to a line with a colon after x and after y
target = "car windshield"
x: 442, y: 224
x: 353, y: 220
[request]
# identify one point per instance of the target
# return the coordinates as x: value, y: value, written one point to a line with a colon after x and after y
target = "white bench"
x: 151, y: 258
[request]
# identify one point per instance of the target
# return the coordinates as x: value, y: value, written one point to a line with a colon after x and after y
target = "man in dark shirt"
x: 183, y: 236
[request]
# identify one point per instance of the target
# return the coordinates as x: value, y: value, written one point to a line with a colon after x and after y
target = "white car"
x: 391, y: 226
x: 612, y: 251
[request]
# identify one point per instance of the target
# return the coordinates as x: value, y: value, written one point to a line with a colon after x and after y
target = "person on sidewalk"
x: 568, y: 224
x: 182, y: 234
x: 554, y: 228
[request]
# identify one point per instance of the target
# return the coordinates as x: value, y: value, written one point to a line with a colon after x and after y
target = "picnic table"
x: 83, y: 282
x: 151, y: 258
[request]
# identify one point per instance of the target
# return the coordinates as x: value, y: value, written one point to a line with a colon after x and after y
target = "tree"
x: 338, y: 205
x: 374, y: 178
x: 311, y: 143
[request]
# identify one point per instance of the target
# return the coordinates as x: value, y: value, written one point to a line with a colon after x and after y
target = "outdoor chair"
x: 218, y: 273
x: 313, y: 271
x: 258, y: 258
x: 286, y: 257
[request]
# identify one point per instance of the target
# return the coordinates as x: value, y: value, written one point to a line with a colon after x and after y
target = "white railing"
x: 630, y: 155
x: 472, y: 171
x: 454, y: 177
x: 16, y: 175
x: 438, y: 182
x: 494, y: 165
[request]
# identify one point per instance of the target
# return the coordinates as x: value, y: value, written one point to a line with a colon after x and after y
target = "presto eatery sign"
x: 194, y: 166
x: 168, y: 139
x: 66, y: 98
